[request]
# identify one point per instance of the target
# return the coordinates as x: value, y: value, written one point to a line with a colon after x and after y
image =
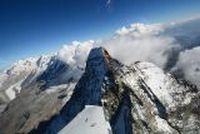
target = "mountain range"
x: 48, y: 96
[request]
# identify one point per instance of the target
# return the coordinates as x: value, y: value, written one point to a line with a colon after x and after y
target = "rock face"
x: 140, y: 98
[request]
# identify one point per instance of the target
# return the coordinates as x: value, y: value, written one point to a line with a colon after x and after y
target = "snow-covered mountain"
x: 110, y: 97
x: 45, y: 72
x: 12, y: 79
x: 67, y: 64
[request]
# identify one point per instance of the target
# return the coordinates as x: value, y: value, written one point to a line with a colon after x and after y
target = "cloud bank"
x: 170, y: 46
x: 76, y: 53
x: 141, y: 42
x: 189, y: 65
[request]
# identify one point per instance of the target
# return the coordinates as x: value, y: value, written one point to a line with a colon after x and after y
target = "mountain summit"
x: 109, y: 98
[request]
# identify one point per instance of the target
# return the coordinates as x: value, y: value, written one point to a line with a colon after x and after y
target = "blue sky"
x: 34, y: 27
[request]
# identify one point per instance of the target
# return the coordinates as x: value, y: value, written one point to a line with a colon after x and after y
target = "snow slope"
x: 89, y: 121
x: 163, y: 85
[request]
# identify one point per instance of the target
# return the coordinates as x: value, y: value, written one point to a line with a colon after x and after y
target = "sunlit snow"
x: 89, y: 121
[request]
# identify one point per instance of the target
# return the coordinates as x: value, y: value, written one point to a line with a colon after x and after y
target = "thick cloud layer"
x: 141, y: 42
x: 76, y: 53
x: 189, y: 64
x: 166, y: 45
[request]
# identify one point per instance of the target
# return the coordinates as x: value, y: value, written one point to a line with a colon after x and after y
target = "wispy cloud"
x: 108, y: 2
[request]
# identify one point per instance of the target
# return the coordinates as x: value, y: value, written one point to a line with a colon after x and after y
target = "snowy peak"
x: 11, y: 80
x: 28, y: 65
x: 43, y: 61
x: 22, y: 66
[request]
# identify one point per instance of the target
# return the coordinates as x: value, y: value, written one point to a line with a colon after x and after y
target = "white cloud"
x: 141, y: 42
x: 153, y: 43
x: 76, y: 53
x: 129, y: 44
x: 138, y: 29
x: 189, y: 64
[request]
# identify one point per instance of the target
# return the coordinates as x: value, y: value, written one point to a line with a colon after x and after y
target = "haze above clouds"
x: 171, y: 46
